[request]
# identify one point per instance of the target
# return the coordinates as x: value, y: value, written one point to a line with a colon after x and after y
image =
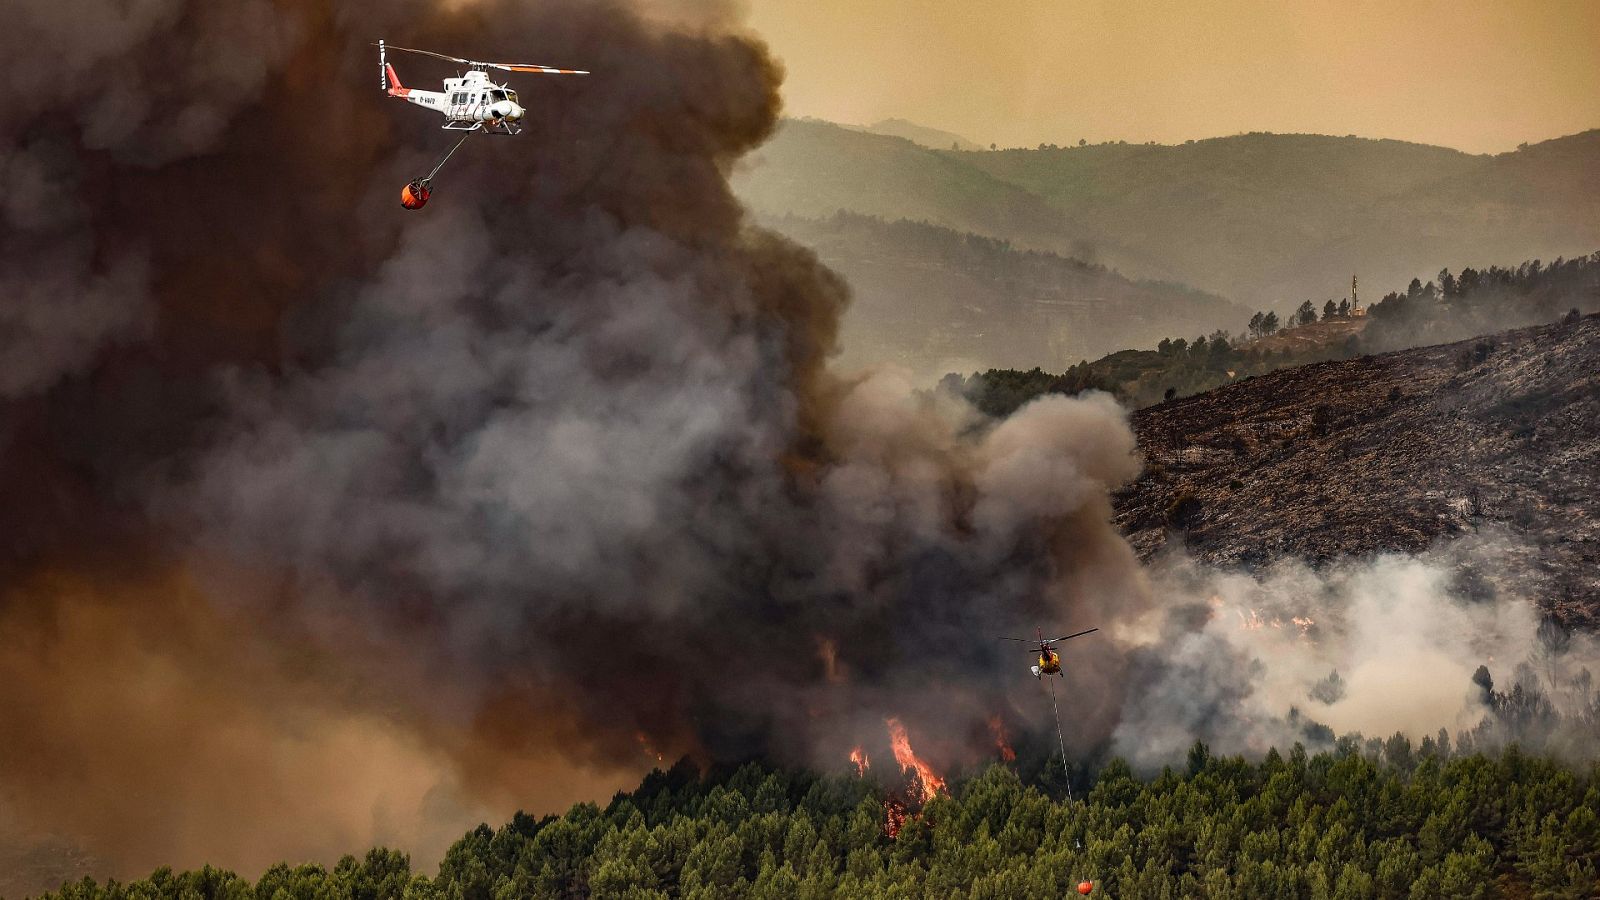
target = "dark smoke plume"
x: 323, y: 511
x: 328, y: 523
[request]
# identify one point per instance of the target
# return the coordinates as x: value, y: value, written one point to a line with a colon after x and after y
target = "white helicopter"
x: 470, y: 103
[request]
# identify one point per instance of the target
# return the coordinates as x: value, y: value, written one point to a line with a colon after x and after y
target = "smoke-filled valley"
x: 932, y: 300
x: 330, y: 525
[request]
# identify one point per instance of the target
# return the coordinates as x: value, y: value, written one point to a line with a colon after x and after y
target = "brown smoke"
x: 158, y: 728
x: 332, y: 524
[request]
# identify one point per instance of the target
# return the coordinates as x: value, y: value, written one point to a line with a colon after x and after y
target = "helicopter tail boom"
x: 396, y: 89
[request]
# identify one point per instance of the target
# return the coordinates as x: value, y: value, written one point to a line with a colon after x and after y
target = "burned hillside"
x: 1493, y: 436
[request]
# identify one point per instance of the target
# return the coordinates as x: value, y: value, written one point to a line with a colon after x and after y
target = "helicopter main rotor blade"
x: 509, y: 67
x: 537, y: 70
x: 1071, y: 636
x: 454, y: 59
x: 1021, y: 640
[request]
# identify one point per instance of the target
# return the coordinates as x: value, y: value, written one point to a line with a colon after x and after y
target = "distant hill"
x: 814, y: 169
x: 1266, y: 220
x: 922, y: 134
x: 1392, y: 452
x: 1540, y: 202
x: 1240, y: 215
x: 934, y: 299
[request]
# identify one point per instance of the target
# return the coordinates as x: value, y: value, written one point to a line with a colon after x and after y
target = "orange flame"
x: 894, y: 816
x: 998, y: 729
x: 1254, y: 621
x: 862, y: 762
x: 928, y: 781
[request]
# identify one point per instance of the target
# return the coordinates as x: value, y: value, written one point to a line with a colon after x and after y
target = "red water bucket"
x: 414, y: 195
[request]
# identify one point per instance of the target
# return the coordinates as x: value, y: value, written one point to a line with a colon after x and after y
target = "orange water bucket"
x: 414, y: 195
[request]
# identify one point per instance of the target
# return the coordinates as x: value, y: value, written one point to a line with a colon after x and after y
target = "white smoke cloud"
x: 1238, y: 658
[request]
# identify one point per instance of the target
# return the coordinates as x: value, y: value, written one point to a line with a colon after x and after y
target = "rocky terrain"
x: 1493, y: 436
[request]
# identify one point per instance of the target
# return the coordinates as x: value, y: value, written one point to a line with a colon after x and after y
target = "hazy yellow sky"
x: 1478, y: 75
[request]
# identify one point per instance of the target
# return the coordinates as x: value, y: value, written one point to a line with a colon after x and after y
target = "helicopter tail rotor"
x: 388, y: 79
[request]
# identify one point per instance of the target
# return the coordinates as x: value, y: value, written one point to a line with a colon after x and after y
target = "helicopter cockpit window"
x: 512, y: 96
x: 497, y: 95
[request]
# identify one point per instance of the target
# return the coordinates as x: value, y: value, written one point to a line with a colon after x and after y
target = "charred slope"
x: 1391, y: 452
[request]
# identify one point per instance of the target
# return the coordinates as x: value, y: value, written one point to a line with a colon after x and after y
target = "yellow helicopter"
x: 1049, y: 660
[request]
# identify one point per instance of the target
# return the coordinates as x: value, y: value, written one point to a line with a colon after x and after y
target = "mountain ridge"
x: 1262, y: 219
x: 934, y: 138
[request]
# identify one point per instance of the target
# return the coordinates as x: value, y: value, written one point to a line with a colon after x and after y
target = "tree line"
x: 1139, y: 378
x: 1497, y: 811
x: 1452, y: 308
x: 1455, y: 307
x: 1474, y: 303
x: 1401, y: 821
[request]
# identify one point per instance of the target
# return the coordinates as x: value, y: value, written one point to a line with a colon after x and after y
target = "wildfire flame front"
x: 929, y: 784
x: 861, y: 760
